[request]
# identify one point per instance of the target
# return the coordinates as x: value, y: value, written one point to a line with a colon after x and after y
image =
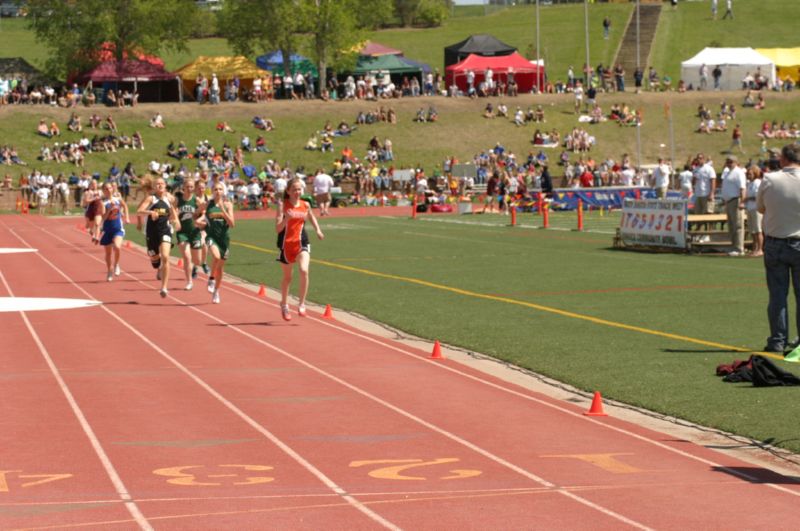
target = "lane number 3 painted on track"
x: 204, y: 476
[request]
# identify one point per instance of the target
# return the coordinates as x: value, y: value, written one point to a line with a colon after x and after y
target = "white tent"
x: 735, y: 63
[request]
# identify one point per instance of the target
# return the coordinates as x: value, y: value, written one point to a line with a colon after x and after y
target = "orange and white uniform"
x: 293, y: 240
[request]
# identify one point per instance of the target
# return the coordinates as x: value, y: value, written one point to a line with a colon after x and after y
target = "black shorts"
x: 155, y: 239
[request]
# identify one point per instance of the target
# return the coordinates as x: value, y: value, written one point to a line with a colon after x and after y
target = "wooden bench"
x: 704, y: 230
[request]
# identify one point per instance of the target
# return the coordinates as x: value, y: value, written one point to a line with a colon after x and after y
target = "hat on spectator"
x: 774, y: 152
x: 731, y: 158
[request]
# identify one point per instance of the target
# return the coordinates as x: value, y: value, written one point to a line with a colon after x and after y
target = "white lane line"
x: 489, y: 455
x: 15, y: 250
x: 213, y: 392
x: 119, y: 486
x: 36, y: 304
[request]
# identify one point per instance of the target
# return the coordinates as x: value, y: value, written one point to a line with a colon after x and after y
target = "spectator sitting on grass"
x: 74, y: 123
x: 263, y: 124
x: 224, y: 127
x: 327, y: 143
x: 261, y: 145
x: 157, y: 121
x: 110, y: 124
x: 42, y: 129
x: 312, y: 143
x: 519, y: 117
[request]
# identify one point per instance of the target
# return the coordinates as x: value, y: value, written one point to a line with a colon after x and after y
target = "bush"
x: 205, y: 24
x: 431, y: 13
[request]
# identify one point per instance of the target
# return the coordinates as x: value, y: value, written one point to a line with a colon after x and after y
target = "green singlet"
x: 217, y: 229
x: 189, y: 233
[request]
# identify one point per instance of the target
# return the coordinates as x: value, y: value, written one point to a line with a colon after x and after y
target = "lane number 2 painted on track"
x: 206, y: 476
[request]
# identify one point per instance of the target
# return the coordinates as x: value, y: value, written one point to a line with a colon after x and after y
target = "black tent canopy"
x: 17, y: 67
x: 484, y: 45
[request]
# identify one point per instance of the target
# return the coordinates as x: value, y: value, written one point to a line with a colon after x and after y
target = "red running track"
x: 143, y: 413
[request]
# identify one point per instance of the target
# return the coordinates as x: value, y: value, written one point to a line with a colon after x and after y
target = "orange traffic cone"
x: 262, y: 291
x: 180, y: 262
x: 127, y: 244
x: 596, y: 410
x: 328, y: 312
x: 437, y: 351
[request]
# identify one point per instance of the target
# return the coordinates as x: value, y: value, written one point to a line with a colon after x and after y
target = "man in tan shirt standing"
x: 779, y: 200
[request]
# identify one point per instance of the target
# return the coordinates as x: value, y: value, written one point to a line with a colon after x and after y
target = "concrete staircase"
x: 626, y: 56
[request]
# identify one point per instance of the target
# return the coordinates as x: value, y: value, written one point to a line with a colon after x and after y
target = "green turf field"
x: 643, y: 328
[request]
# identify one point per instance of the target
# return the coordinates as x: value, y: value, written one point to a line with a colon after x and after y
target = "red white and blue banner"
x: 596, y: 198
x: 654, y: 222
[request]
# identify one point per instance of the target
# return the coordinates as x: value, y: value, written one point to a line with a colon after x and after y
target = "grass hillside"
x: 461, y: 130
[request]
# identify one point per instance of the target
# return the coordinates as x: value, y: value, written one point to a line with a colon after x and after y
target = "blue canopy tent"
x: 273, y: 61
x: 422, y: 66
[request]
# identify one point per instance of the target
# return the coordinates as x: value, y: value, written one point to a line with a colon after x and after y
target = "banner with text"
x: 654, y: 222
x: 605, y: 197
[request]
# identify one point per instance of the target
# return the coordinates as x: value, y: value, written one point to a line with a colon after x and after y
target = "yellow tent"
x: 226, y: 69
x: 787, y: 61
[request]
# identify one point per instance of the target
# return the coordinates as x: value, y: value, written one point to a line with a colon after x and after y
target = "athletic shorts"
x: 108, y: 237
x: 154, y: 242
x: 289, y: 255
x: 224, y: 251
x: 194, y: 239
x: 93, y: 209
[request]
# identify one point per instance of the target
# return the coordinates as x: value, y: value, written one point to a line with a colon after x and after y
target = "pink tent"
x: 373, y: 49
x: 526, y: 74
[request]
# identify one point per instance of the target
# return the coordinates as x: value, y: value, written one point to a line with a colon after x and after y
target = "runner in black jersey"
x: 161, y: 215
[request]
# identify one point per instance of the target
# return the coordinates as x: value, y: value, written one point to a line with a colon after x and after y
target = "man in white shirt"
x: 661, y: 178
x: 732, y: 191
x: 280, y: 187
x: 704, y: 185
x: 322, y: 191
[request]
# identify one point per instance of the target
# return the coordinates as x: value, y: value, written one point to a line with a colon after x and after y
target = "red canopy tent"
x: 526, y: 74
x: 106, y: 52
x: 151, y: 82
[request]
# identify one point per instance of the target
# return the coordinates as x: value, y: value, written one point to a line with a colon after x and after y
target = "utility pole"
x: 588, y: 69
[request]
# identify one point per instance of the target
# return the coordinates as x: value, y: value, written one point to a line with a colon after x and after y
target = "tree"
x: 328, y: 30
x: 407, y: 10
x: 76, y: 30
x: 253, y: 26
x: 334, y: 32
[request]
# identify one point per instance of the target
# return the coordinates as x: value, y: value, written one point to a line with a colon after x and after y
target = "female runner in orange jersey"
x: 293, y: 243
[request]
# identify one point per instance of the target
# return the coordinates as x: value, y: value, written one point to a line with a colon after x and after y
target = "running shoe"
x: 301, y: 310
x: 285, y: 312
x: 211, y: 285
x: 206, y: 270
x: 194, y: 272
x: 109, y: 277
x: 215, y: 298
x: 189, y: 286
x: 117, y: 270
x: 164, y: 293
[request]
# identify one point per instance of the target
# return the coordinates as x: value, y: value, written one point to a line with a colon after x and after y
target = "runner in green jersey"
x: 190, y: 238
x: 217, y: 219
